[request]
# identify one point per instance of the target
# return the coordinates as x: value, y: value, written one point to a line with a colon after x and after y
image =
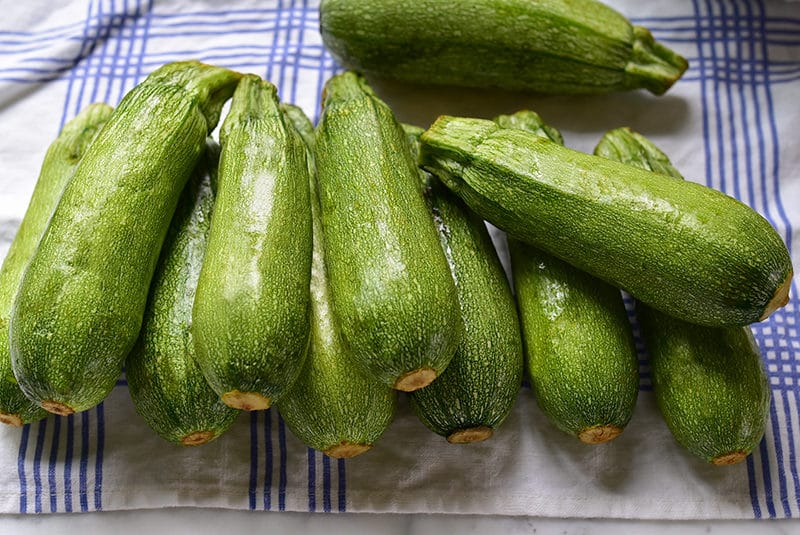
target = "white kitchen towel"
x: 730, y: 123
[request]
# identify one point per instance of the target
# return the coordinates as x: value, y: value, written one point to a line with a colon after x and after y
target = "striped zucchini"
x: 579, y: 346
x: 58, y: 167
x: 682, y: 248
x: 390, y: 284
x: 545, y: 46
x: 709, y: 383
x: 80, y: 305
x: 476, y: 392
x: 332, y: 407
x: 251, y: 312
x: 166, y: 385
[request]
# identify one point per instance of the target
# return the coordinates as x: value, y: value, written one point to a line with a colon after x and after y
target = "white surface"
x: 211, y: 521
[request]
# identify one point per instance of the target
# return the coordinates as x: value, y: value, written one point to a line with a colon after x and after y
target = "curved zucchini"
x: 332, y: 407
x: 251, y: 313
x: 58, y: 167
x: 166, y: 385
x: 81, y: 301
x: 682, y: 248
x: 578, y: 342
x: 390, y: 284
x: 546, y: 46
x: 709, y: 383
x: 476, y: 392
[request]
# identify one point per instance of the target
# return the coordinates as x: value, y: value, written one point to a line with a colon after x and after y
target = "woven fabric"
x: 730, y: 123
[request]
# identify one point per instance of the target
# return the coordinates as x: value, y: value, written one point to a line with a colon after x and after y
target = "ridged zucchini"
x: 57, y: 168
x: 682, y: 248
x: 579, y: 345
x: 81, y: 301
x: 167, y: 387
x: 476, y: 392
x: 709, y: 383
x: 251, y: 312
x: 390, y: 284
x: 547, y: 46
x: 332, y: 406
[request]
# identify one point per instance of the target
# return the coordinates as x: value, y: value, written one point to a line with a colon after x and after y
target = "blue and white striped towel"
x: 729, y: 123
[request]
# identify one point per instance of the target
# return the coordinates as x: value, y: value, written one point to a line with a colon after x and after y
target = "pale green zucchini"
x: 476, y: 392
x: 332, y: 406
x: 389, y: 280
x: 251, y: 312
x: 709, y: 383
x: 579, y: 345
x: 80, y: 305
x: 683, y: 248
x: 59, y: 164
x: 545, y: 46
x: 167, y: 387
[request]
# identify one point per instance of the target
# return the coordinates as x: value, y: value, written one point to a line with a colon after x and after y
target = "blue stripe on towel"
x: 268, y: 463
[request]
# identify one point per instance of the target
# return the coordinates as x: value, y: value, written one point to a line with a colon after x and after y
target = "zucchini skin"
x: 709, y: 383
x: 476, y: 392
x: 552, y: 46
x: 683, y: 248
x: 167, y: 387
x: 332, y: 406
x: 79, y: 309
x: 251, y: 312
x: 59, y: 164
x: 579, y: 346
x: 390, y: 283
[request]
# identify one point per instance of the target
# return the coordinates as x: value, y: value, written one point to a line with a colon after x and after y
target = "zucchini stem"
x: 653, y: 65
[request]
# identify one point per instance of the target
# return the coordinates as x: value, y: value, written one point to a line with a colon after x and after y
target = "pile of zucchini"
x: 323, y: 269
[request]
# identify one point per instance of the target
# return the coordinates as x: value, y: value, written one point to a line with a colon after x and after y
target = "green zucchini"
x: 332, y: 407
x: 251, y: 312
x: 476, y: 392
x: 167, y: 387
x: 81, y: 301
x: 682, y: 248
x: 548, y: 46
x: 58, y: 166
x: 390, y: 283
x: 709, y: 383
x: 579, y: 345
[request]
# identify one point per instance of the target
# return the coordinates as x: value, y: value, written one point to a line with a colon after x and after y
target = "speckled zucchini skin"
x: 551, y: 46
x: 251, y: 313
x: 166, y: 385
x: 709, y: 383
x: 389, y: 279
x: 81, y: 302
x: 58, y: 167
x: 682, y: 248
x: 332, y: 407
x: 476, y: 392
x: 579, y: 346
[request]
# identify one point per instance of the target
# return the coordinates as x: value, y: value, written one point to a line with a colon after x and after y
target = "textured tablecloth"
x: 730, y: 123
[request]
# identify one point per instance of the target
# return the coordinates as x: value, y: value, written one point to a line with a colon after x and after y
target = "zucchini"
x: 548, y: 46
x: 81, y: 301
x: 58, y: 166
x: 579, y: 346
x: 476, y: 392
x: 332, y: 407
x: 167, y: 387
x: 251, y: 312
x: 682, y: 248
x: 390, y: 283
x: 709, y: 383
